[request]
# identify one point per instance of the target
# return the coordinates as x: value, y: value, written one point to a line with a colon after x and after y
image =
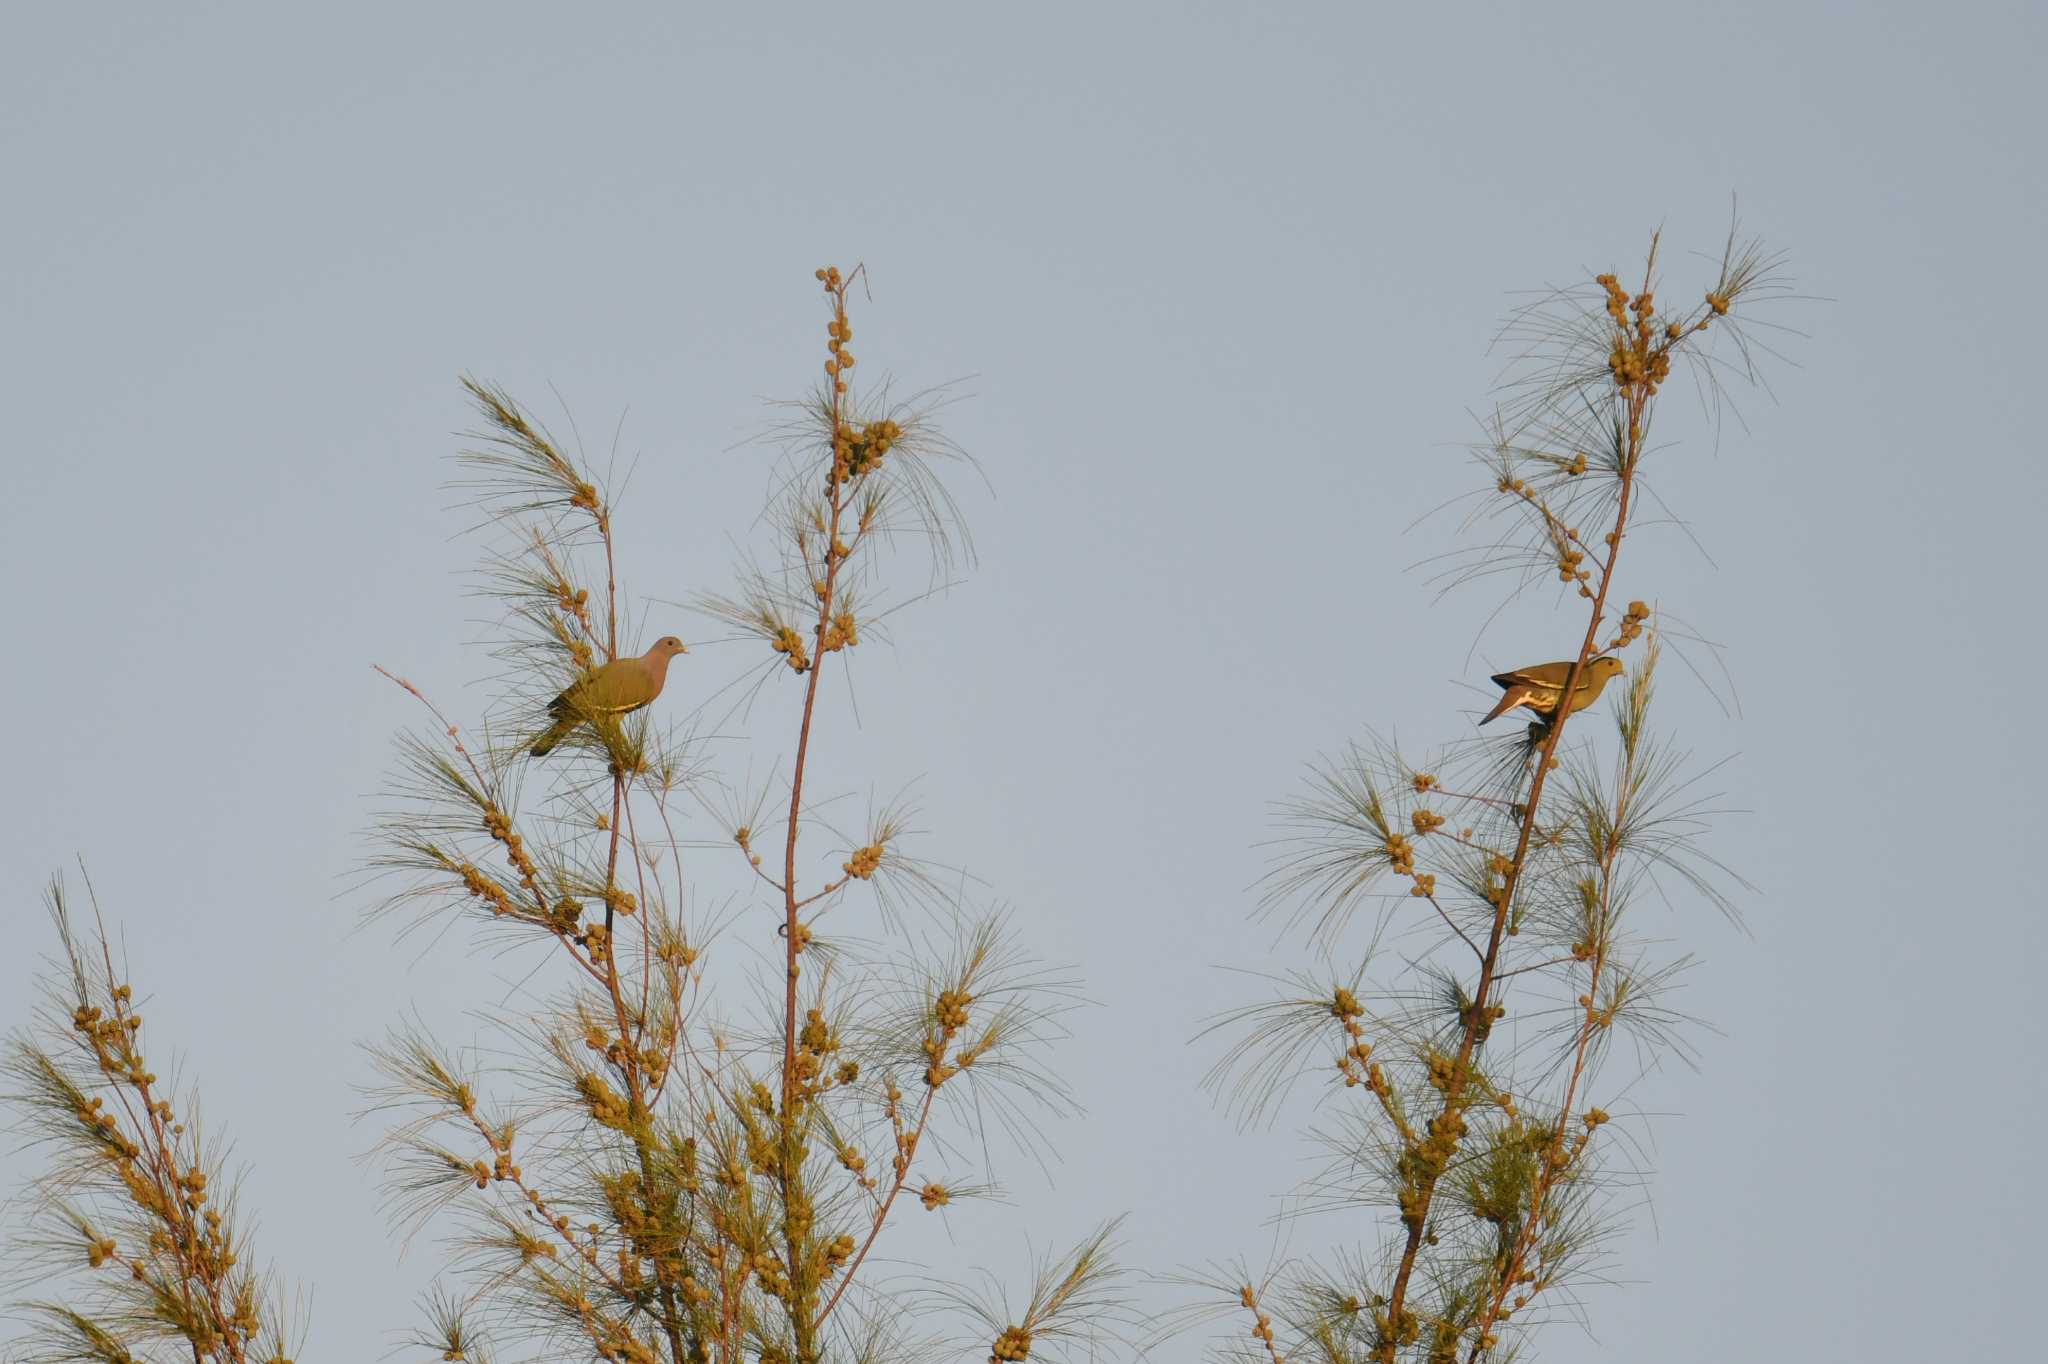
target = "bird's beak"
x: 681, y: 647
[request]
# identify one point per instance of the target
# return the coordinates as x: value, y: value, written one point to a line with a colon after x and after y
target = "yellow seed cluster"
x: 842, y: 633
x: 838, y: 331
x: 1262, y: 1331
x: 113, y: 1044
x: 1401, y: 854
x: 951, y: 1009
x: 1571, y: 564
x: 864, y: 863
x: 817, y: 1035
x: 574, y: 602
x: 1013, y: 1346
x: 858, y: 450
x: 171, y: 1192
x: 836, y: 1252
x: 855, y: 1163
x: 1425, y: 885
x: 484, y: 888
x: 1481, y: 1020
x: 1423, y: 781
x: 1424, y: 1161
x: 1631, y: 626
x: 767, y: 1267
x: 1638, y: 357
x: 1354, y: 1063
x: 1617, y: 299
x: 935, y: 1196
x: 790, y: 644
x: 606, y: 1106
x: 1441, y: 1068
x: 1426, y: 821
x: 949, y: 1015
x: 499, y: 826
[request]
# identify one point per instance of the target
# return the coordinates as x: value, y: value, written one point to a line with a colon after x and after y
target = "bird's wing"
x: 1550, y: 675
x: 1512, y: 695
x: 622, y: 685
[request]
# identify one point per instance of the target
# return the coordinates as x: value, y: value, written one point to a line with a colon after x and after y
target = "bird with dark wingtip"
x: 619, y: 687
x: 1542, y: 686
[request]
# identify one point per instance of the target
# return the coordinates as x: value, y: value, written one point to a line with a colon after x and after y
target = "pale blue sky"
x: 1224, y: 278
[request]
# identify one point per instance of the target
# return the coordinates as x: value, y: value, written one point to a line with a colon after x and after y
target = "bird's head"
x: 668, y: 646
x: 1605, y: 667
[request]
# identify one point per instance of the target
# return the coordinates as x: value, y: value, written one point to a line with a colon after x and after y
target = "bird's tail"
x: 545, y: 744
x: 1514, y: 696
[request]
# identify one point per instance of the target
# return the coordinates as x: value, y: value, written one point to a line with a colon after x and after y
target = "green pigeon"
x: 617, y: 688
x: 1539, y: 687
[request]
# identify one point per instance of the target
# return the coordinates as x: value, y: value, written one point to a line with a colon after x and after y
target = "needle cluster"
x: 1475, y: 1119
x: 132, y: 1236
x: 644, y: 1172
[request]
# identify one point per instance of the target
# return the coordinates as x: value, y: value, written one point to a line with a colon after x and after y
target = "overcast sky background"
x: 1224, y: 279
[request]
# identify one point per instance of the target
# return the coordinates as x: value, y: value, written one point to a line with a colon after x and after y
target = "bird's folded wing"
x: 1547, y: 675
x: 617, y: 688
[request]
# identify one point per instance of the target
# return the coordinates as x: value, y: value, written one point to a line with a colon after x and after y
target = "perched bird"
x: 619, y: 687
x: 1539, y: 687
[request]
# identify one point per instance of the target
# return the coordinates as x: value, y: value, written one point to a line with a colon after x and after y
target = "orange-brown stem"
x: 1637, y: 400
x: 791, y: 1174
x: 1546, y: 1175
